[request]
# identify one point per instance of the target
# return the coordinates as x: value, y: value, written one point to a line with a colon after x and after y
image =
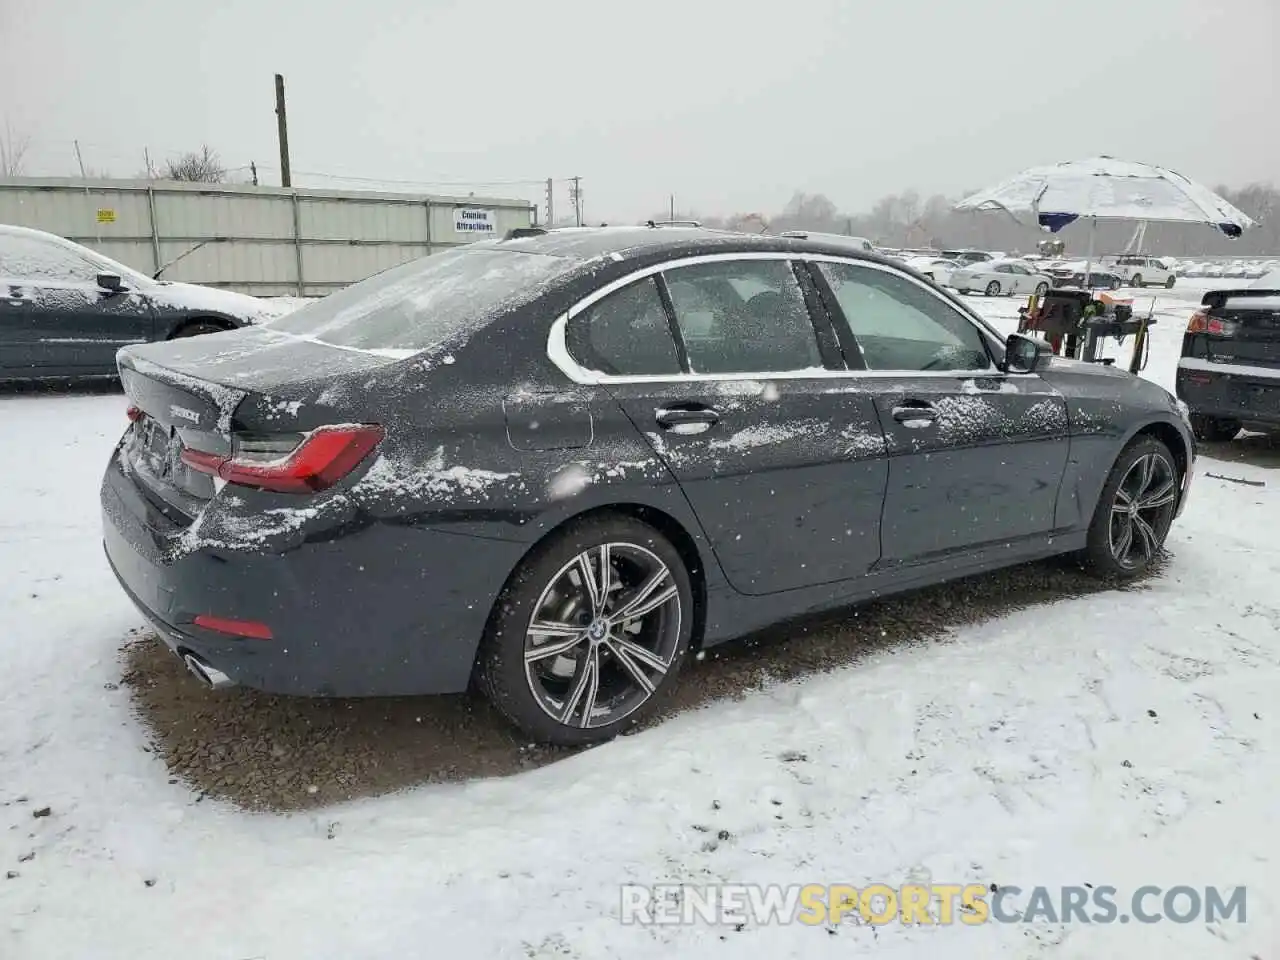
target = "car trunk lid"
x: 210, y: 392
x: 1240, y: 328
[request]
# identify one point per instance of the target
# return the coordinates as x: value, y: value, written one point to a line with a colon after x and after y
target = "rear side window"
x: 426, y: 301
x: 626, y: 334
x: 35, y: 260
x: 901, y: 326
x: 743, y: 316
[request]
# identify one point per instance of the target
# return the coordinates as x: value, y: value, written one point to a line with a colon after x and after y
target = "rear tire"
x: 1137, y: 281
x: 993, y: 289
x: 1042, y: 290
x: 1213, y: 429
x: 198, y: 328
x: 561, y: 659
x: 1134, y: 512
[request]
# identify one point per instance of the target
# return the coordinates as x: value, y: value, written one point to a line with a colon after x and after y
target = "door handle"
x: 914, y: 412
x: 671, y: 417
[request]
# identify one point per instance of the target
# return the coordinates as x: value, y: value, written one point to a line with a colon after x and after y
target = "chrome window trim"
x: 558, y: 345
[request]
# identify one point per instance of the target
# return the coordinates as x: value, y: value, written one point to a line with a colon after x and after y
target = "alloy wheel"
x: 603, y: 635
x: 1143, y: 510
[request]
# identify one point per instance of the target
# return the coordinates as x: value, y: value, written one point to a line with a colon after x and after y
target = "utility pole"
x: 577, y: 200
x: 97, y: 227
x: 146, y: 160
x: 282, y: 127
x: 551, y: 203
x: 253, y: 169
x: 673, y: 207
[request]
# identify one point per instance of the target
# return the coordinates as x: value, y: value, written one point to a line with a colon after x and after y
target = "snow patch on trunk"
x: 226, y: 399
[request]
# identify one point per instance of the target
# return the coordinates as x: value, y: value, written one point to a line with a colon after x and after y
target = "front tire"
x: 993, y: 289
x: 1042, y: 289
x: 1134, y: 512
x: 1213, y: 429
x: 1168, y: 284
x: 589, y: 633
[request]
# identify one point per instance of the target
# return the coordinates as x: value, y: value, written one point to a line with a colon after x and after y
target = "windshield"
x: 427, y: 301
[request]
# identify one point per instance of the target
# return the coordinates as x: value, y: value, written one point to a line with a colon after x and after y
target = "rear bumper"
x: 1248, y: 394
x: 384, y: 610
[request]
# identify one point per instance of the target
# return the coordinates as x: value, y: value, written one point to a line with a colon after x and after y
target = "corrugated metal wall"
x: 262, y: 240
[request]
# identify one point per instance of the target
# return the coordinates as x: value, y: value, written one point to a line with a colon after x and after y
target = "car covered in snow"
x: 997, y: 278
x: 560, y: 465
x: 1076, y: 273
x: 967, y: 257
x: 1142, y: 271
x: 65, y: 309
x: 937, y: 269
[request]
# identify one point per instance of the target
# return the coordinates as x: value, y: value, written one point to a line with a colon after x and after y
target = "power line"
x: 413, y: 183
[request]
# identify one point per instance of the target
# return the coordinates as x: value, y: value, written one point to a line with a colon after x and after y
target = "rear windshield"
x: 425, y: 302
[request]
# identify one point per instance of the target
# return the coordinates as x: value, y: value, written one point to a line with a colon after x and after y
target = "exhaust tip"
x: 211, y: 677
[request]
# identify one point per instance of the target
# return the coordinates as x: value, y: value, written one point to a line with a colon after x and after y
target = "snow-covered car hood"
x: 192, y: 296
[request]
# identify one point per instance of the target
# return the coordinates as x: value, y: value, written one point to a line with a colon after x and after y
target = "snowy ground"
x: 1121, y: 739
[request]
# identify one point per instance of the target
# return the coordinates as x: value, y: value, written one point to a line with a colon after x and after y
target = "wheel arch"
x: 178, y: 326
x: 680, y: 537
x: 1172, y: 438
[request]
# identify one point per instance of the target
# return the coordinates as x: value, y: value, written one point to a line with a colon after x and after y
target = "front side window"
x: 34, y: 260
x: 743, y: 316
x: 626, y: 334
x: 899, y: 325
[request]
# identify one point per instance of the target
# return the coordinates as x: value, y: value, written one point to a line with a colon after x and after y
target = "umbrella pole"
x: 1088, y: 260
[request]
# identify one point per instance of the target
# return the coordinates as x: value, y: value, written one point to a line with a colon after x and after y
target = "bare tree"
x: 13, y: 151
x: 201, y: 166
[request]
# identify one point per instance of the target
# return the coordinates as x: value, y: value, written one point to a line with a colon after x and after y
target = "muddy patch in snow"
x: 285, y: 753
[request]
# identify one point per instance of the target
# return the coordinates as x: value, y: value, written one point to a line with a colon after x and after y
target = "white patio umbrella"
x: 1103, y: 188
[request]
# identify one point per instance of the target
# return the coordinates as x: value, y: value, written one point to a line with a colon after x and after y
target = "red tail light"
x: 133, y: 413
x: 234, y: 628
x: 322, y: 458
x: 1201, y: 322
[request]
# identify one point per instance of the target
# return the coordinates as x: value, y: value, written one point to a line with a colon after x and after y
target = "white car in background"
x: 1140, y: 271
x: 937, y: 269
x: 1001, y: 278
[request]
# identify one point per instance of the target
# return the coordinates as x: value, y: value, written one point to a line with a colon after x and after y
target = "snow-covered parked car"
x: 1072, y: 273
x: 1002, y: 278
x: 357, y: 500
x: 937, y: 269
x: 1141, y: 271
x: 65, y: 309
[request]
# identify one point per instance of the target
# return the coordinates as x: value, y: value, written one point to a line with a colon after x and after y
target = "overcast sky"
x: 731, y: 106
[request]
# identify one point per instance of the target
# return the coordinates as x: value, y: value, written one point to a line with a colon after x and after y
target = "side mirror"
x: 110, y: 281
x: 1022, y: 354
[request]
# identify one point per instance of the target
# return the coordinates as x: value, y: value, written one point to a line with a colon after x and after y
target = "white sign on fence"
x: 472, y: 221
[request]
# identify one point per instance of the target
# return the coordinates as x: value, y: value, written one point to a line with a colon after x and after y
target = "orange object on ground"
x: 1107, y: 297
